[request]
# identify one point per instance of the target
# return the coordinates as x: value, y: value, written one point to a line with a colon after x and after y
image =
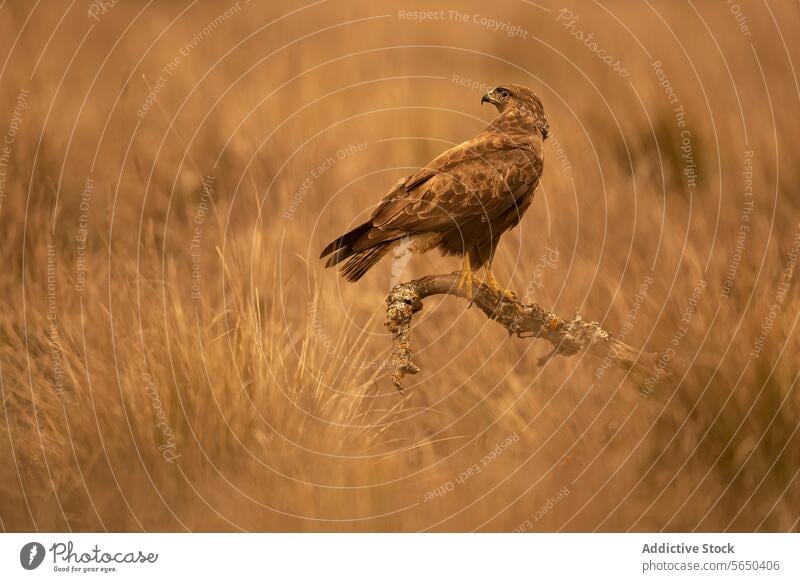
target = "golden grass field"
x: 174, y: 357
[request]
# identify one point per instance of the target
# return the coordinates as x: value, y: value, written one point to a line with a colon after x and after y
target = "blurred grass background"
x: 205, y: 373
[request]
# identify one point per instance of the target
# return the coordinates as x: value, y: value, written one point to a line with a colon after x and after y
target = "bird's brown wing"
x: 481, y: 177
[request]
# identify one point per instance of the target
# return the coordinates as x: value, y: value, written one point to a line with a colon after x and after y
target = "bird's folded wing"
x: 481, y: 177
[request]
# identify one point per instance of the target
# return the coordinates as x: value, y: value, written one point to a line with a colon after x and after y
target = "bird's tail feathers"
x: 342, y: 247
x: 361, y: 262
x: 357, y: 252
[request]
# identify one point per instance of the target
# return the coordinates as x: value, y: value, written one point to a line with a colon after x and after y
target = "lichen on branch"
x: 568, y: 337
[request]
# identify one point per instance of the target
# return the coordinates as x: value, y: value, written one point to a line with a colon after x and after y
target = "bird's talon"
x: 497, y: 288
x: 465, y: 279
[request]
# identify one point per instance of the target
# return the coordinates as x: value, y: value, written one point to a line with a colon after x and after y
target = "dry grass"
x: 271, y: 383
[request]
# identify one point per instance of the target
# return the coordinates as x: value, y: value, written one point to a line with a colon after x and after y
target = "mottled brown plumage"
x: 462, y: 201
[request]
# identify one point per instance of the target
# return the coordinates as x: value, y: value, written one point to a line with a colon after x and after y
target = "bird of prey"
x: 463, y: 200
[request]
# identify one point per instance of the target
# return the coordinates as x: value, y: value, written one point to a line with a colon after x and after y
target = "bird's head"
x: 521, y: 99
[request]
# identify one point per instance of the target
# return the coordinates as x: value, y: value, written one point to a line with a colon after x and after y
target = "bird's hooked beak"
x: 490, y: 97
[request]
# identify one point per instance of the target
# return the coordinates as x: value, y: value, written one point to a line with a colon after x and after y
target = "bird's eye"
x: 503, y: 92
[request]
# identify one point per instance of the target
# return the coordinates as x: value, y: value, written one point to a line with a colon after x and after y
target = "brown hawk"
x: 462, y: 201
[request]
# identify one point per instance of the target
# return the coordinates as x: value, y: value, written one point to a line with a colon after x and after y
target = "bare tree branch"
x: 567, y: 336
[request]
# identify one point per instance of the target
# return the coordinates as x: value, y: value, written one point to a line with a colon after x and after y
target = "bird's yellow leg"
x: 465, y: 276
x: 495, y: 286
